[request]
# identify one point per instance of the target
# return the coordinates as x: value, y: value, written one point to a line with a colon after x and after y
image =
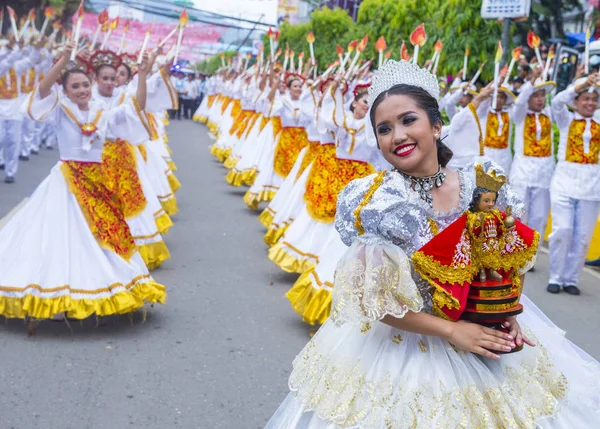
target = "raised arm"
x: 141, y: 86
x: 54, y: 73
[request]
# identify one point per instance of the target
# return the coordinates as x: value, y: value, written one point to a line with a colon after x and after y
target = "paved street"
x: 218, y: 354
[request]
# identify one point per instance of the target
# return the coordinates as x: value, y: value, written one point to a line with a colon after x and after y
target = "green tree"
x: 212, y: 65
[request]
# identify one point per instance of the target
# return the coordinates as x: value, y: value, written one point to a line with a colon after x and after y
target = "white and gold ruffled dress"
x: 68, y: 248
x: 358, y: 372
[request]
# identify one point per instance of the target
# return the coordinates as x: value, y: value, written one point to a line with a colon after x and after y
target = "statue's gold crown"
x: 488, y: 180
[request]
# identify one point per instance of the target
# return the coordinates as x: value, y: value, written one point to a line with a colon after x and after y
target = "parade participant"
x: 302, y: 244
x: 465, y: 137
x: 496, y: 126
x: 18, y: 60
x: 230, y: 109
x: 383, y: 356
x: 575, y: 186
x: 125, y: 175
x: 533, y: 165
x: 75, y: 252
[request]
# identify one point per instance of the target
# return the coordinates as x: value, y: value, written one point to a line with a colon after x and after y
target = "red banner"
x: 194, y: 35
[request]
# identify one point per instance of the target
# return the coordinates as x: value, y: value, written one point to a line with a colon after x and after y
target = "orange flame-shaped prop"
x: 499, y: 52
x: 438, y: 46
x: 183, y: 18
x: 80, y: 10
x: 504, y: 69
x: 56, y: 25
x: 292, y: 54
x: 126, y: 27
x: 404, y: 52
x: 103, y: 17
x: 270, y: 33
x: 418, y: 36
x: 388, y: 54
x: 533, y: 40
x: 49, y: 12
x: 363, y: 44
x: 310, y: 38
x: 381, y: 46
x: 339, y: 50
x: 516, y: 53
x: 278, y: 53
x: 467, y: 51
x: 301, y: 55
x: 352, y: 46
x: 114, y: 24
x: 31, y: 14
x: 11, y: 12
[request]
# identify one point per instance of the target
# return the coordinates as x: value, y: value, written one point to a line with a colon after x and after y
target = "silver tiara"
x: 397, y: 72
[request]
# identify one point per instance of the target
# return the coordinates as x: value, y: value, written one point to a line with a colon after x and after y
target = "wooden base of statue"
x: 489, y: 304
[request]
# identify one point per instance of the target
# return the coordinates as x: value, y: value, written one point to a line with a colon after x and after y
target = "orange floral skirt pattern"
x: 313, y: 151
x: 101, y: 206
x: 277, y: 126
x: 120, y: 176
x: 291, y: 141
x: 328, y: 176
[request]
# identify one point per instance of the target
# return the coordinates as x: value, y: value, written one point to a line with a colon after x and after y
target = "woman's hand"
x: 479, y: 339
x: 66, y: 57
x: 516, y: 332
x: 145, y: 65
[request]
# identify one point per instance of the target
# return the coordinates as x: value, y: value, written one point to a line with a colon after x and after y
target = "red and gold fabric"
x: 263, y: 122
x: 475, y: 241
x: 225, y: 104
x: 9, y: 88
x: 575, y: 147
x: 101, y: 206
x: 211, y: 100
x: 328, y: 176
x: 240, y: 123
x: 494, y: 140
x: 291, y: 141
x: 541, y: 148
x: 251, y: 122
x: 120, y: 176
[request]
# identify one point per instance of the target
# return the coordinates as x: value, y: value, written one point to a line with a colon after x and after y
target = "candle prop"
x: 300, y: 61
x: 380, y: 46
x: 13, y: 23
x: 222, y: 59
x: 329, y: 70
x: 55, y: 29
x: 102, y: 19
x: 166, y: 39
x: 77, y: 29
x: 311, y: 40
x: 438, y: 49
x: 286, y: 58
x: 497, y: 73
x: 515, y: 56
x: 587, y: 51
x: 477, y: 74
x: 351, y: 47
x: 270, y: 35
x: 292, y: 67
x: 548, y: 62
x: 359, y: 48
x: 183, y: 20
x: 145, y: 44
x: 48, y: 15
x: 122, y: 42
x: 466, y: 62
x: 27, y: 21
x: 112, y: 26
x: 388, y: 55
x: 404, y: 52
x: 533, y: 41
x: 418, y: 38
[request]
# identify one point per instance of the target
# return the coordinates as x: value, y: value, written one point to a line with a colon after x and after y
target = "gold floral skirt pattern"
x: 291, y: 141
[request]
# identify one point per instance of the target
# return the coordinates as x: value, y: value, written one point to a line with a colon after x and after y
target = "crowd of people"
x: 190, y: 88
x: 82, y: 245
x: 353, y: 173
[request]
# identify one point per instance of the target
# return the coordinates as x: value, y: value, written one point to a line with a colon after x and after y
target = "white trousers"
x: 28, y: 136
x: 573, y: 223
x: 537, y: 206
x: 10, y: 139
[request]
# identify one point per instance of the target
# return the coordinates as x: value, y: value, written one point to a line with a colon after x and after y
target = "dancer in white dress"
x: 69, y: 248
x: 383, y: 359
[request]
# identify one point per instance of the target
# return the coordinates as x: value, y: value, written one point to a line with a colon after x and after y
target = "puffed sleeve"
x: 128, y: 122
x: 373, y: 278
x: 41, y: 109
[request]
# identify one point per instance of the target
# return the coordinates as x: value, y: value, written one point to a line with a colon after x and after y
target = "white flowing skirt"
x: 376, y: 377
x: 51, y: 262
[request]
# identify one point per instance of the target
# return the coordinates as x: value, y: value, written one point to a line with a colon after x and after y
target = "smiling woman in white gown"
x: 384, y: 359
x: 69, y: 248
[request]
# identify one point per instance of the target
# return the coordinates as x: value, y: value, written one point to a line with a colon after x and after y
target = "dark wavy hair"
x: 425, y: 102
x: 291, y: 81
x: 129, y: 73
x: 358, y: 97
x: 477, y: 192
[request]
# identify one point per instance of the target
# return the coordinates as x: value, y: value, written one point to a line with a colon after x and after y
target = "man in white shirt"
x: 188, y: 96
